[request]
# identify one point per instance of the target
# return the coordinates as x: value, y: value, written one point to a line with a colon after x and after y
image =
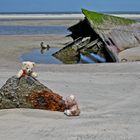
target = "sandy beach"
x: 108, y: 95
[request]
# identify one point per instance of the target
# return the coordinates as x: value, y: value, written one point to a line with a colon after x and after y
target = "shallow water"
x: 31, y: 30
x: 46, y: 57
x: 37, y: 57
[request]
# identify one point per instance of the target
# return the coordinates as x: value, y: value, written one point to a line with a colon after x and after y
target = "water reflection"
x: 45, y: 56
x: 42, y: 58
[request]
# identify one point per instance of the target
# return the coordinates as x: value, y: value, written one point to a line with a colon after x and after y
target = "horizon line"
x: 66, y: 12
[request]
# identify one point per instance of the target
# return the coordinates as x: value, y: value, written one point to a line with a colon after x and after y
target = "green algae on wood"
x: 98, y: 19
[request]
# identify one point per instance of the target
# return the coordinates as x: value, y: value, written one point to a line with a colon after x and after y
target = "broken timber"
x: 105, y: 35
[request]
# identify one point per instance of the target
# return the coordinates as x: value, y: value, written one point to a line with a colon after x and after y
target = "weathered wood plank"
x: 109, y: 35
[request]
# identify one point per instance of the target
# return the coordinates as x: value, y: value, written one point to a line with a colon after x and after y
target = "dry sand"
x: 108, y: 95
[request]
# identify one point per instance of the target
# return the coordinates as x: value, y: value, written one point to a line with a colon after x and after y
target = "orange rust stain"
x: 47, y: 100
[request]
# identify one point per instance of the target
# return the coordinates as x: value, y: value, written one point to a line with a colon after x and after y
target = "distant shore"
x: 41, y: 16
x: 58, y: 16
x: 131, y: 16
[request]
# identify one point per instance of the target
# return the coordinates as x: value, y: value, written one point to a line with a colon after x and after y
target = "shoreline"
x: 60, y: 16
x: 42, y: 16
x: 13, y: 46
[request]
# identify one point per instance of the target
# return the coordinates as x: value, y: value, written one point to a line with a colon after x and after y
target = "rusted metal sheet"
x: 46, y: 100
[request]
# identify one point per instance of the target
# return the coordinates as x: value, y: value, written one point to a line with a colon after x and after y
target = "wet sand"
x: 108, y: 95
x: 12, y: 47
x: 40, y: 22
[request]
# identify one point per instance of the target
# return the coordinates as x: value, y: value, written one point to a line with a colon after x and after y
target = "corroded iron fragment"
x: 28, y: 92
x: 46, y: 100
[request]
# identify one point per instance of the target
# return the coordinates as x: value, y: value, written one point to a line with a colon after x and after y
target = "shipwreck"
x: 102, y: 38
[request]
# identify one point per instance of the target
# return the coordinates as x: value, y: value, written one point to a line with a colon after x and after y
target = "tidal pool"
x: 43, y: 58
x: 46, y: 57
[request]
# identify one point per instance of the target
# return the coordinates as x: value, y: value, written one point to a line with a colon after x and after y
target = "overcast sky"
x: 68, y: 5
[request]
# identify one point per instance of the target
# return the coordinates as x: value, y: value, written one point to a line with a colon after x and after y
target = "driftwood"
x: 105, y: 35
